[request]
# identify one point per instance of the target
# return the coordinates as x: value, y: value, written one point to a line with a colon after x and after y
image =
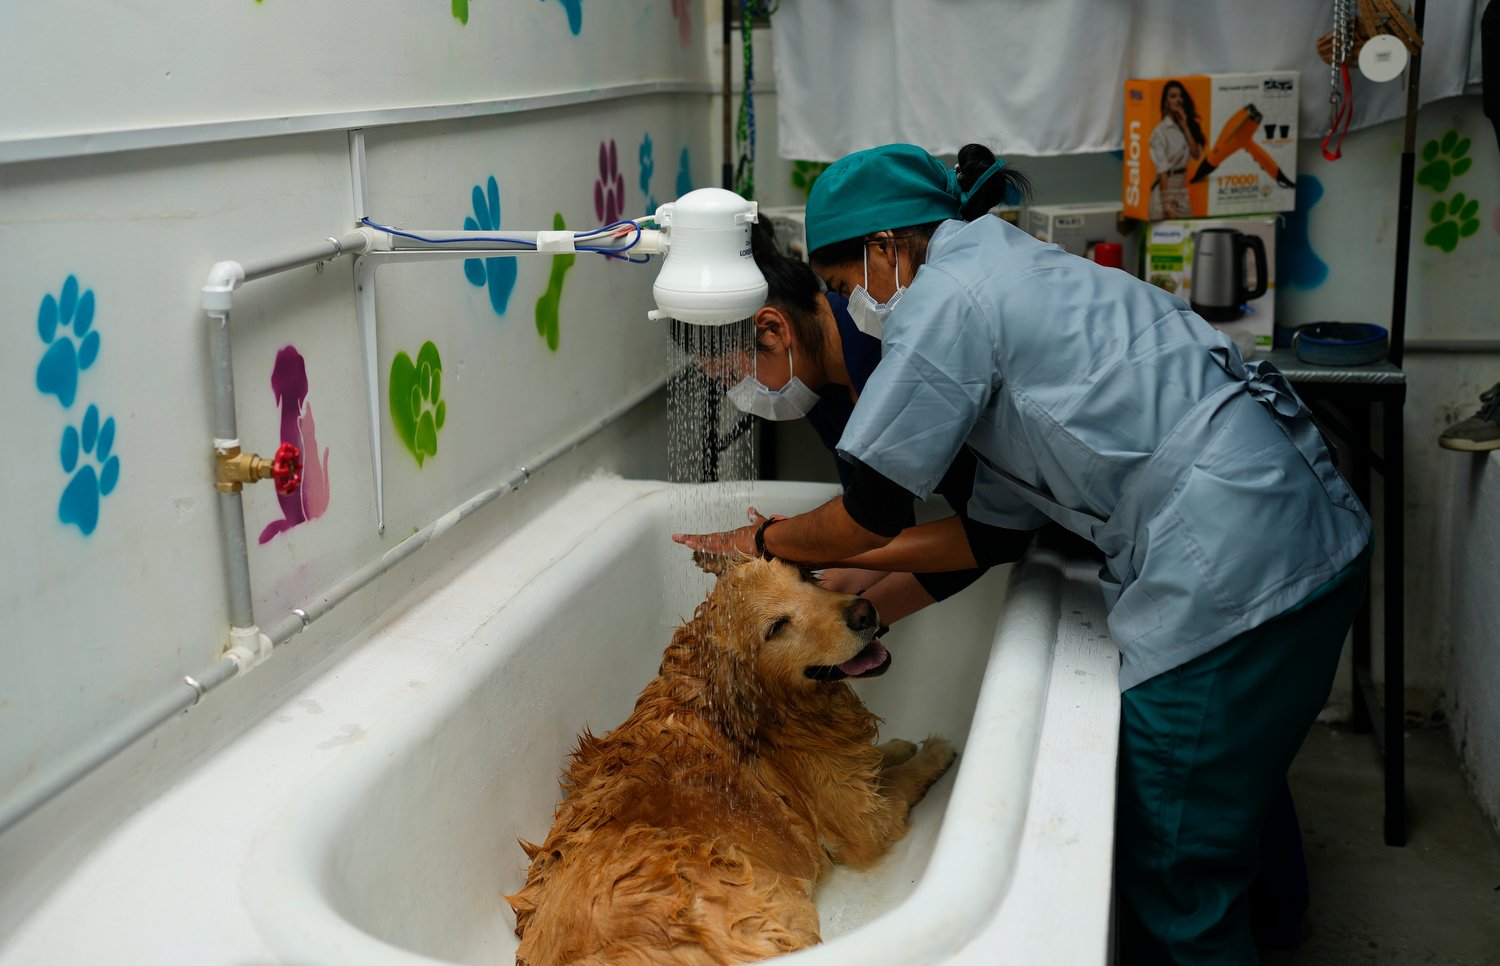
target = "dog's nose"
x: 861, y: 615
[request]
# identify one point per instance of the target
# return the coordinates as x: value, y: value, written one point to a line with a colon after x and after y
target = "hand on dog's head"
x: 718, y: 564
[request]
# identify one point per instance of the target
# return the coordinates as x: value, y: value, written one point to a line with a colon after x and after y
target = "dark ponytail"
x: 973, y: 161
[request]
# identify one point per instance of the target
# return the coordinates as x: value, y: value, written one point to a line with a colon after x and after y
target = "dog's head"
x: 775, y: 621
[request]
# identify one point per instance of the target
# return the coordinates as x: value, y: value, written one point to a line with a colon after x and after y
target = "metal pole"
x: 727, y: 174
x: 1403, y: 211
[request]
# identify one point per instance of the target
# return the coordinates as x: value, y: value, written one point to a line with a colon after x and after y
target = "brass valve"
x: 235, y: 469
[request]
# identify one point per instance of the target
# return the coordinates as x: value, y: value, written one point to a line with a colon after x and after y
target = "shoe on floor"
x: 1480, y: 431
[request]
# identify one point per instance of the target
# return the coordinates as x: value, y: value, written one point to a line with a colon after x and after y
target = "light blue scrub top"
x: 1103, y: 403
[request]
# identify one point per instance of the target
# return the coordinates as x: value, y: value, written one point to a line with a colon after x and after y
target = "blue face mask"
x: 869, y: 315
x: 792, y: 401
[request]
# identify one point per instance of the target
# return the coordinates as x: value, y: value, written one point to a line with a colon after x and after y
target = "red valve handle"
x: 286, y: 469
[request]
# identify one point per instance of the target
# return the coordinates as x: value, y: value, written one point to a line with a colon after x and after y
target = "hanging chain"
x: 1343, y: 41
x: 1340, y: 95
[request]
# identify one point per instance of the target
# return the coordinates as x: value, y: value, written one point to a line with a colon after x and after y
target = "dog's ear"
x: 717, y: 564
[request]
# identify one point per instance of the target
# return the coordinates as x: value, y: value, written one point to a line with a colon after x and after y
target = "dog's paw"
x: 897, y: 751
x: 940, y: 754
x: 933, y: 761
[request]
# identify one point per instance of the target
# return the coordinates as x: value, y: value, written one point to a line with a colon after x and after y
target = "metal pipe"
x: 218, y: 296
x: 236, y: 560
x: 193, y: 688
x: 301, y: 617
x: 446, y: 241
x: 525, y: 241
x: 1403, y: 208
x: 183, y: 696
x: 351, y: 244
x: 226, y: 436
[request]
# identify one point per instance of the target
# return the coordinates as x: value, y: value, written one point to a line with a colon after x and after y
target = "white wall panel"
x: 115, y: 64
x: 102, y: 616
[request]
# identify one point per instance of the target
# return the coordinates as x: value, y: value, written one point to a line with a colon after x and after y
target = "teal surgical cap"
x: 892, y: 186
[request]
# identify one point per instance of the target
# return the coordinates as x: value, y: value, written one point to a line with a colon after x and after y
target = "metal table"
x: 1343, y: 400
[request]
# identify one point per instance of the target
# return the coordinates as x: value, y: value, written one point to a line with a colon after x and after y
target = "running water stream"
x: 709, y: 441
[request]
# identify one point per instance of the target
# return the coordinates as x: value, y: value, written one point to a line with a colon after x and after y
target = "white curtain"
x: 1043, y: 77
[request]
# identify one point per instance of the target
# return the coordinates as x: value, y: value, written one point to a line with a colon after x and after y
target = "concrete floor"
x: 1435, y: 901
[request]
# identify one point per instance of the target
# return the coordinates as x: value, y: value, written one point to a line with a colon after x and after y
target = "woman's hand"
x: 728, y: 543
x: 849, y: 580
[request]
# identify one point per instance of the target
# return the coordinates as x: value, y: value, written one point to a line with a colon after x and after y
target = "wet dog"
x: 697, y: 830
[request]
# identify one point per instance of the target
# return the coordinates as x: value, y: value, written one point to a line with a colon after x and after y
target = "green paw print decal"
x: 1444, y: 161
x: 1452, y: 220
x: 804, y: 173
x: 417, y: 411
x: 547, y: 307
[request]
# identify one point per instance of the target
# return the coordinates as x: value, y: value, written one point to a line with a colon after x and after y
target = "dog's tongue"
x: 870, y: 658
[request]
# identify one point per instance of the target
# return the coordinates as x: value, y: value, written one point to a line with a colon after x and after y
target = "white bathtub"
x: 373, y: 820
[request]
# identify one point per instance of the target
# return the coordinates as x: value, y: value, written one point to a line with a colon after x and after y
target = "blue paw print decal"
x: 82, y: 451
x: 64, y: 323
x: 574, y: 9
x: 648, y: 166
x: 498, y: 273
x: 684, y: 175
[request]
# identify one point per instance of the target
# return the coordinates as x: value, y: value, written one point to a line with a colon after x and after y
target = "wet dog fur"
x: 697, y: 830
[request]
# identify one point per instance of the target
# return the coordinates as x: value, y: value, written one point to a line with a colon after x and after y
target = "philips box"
x: 1210, y: 144
x: 1078, y: 228
x: 1225, y: 269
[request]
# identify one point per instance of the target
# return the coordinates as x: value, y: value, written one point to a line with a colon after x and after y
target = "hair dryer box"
x: 1225, y: 269
x: 1077, y: 228
x: 1210, y: 144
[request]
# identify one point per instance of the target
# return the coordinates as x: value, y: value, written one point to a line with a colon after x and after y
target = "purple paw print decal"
x: 609, y: 190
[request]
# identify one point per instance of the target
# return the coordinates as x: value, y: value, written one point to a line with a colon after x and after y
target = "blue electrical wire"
x: 531, y: 245
x: 443, y: 241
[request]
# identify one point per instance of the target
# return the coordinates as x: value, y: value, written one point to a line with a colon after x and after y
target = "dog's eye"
x: 776, y: 626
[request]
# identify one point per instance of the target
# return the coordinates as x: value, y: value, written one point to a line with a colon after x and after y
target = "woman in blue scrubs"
x: 810, y: 360
x: 1235, y: 554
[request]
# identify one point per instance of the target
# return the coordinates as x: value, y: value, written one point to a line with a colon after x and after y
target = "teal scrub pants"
x: 1204, y: 749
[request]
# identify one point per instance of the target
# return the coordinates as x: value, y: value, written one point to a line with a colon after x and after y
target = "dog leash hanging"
x: 1341, y: 93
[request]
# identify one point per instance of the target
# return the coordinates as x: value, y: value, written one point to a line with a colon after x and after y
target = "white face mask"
x: 792, y: 401
x: 869, y: 315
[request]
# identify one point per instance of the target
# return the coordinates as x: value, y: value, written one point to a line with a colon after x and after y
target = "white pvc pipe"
x: 218, y: 302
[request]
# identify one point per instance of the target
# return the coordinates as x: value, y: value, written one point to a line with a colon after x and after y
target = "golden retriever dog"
x: 697, y: 831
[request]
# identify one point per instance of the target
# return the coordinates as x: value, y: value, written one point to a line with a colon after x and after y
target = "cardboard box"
x: 790, y: 223
x: 1015, y: 214
x: 1210, y: 144
x: 1077, y: 228
x: 1171, y: 252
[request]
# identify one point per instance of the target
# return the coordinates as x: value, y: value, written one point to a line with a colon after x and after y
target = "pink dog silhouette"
x: 289, y: 383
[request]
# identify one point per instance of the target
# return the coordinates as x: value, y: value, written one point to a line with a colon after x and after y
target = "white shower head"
x: 709, y: 276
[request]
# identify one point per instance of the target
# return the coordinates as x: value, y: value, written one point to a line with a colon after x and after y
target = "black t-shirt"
x: 876, y: 503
